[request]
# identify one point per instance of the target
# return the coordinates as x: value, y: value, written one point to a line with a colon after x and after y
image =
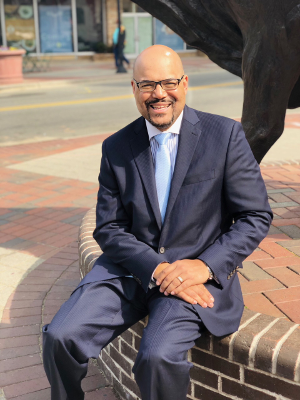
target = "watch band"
x: 211, y: 274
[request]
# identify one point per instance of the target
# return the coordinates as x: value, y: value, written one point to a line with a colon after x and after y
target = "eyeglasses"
x: 166, y: 84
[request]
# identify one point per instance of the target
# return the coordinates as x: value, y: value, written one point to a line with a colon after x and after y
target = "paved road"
x: 85, y: 109
x: 100, y: 106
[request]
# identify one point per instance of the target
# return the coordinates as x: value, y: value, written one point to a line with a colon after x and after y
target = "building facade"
x: 80, y: 27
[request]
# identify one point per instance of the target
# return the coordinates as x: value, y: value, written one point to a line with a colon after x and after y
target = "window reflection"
x: 19, y: 24
x: 89, y: 25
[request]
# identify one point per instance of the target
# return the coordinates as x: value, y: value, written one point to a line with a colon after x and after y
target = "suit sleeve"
x: 247, y: 202
x: 112, y: 231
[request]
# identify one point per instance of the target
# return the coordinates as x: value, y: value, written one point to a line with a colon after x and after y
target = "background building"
x: 79, y: 27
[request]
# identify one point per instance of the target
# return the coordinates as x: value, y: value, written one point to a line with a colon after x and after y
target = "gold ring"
x: 181, y: 280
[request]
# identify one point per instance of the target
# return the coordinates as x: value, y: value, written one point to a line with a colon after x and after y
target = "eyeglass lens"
x: 166, y: 85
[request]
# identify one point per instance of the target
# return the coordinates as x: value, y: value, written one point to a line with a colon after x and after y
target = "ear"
x: 185, y: 82
x: 133, y: 85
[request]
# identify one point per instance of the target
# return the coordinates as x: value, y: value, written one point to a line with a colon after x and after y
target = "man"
x: 119, y: 44
x: 171, y: 185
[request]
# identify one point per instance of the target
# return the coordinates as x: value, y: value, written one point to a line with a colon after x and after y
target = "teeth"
x: 159, y: 107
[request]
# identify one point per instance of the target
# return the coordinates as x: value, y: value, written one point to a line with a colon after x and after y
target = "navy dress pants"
x: 97, y: 313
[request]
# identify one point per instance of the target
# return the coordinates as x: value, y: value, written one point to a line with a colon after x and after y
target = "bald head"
x: 163, y: 105
x: 157, y: 58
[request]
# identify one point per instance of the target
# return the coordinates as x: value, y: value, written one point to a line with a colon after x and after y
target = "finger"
x: 170, y: 279
x: 198, y: 288
x: 183, y: 286
x: 184, y: 296
x: 164, y: 273
x: 199, y: 300
x: 190, y: 292
x: 205, y: 295
x: 173, y: 286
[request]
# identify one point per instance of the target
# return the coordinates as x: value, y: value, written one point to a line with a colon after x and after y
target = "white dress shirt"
x: 172, y: 143
x: 172, y: 147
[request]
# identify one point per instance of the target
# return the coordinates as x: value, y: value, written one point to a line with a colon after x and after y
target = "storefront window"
x: 89, y: 25
x: 55, y: 21
x: 164, y: 35
x: 19, y: 24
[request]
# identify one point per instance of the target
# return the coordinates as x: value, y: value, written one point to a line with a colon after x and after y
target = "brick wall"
x: 259, y: 362
x: 213, y: 376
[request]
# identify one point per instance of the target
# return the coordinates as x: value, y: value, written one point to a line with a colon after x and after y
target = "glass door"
x: 144, y: 27
x: 138, y: 32
x: 130, y: 38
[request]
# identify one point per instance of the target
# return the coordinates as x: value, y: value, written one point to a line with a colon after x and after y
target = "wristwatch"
x: 152, y: 283
x: 211, y: 274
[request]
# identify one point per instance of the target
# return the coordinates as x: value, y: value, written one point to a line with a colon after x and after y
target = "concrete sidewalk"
x: 46, y: 188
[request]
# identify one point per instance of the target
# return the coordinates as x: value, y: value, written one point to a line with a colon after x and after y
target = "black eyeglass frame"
x: 159, y: 83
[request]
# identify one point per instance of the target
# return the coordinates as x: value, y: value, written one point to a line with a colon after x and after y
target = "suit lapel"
x: 188, y: 140
x: 143, y: 158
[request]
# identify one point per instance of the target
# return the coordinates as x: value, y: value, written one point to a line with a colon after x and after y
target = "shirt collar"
x: 175, y: 128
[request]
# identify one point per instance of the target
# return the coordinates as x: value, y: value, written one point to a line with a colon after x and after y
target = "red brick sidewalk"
x: 40, y: 215
x: 270, y: 278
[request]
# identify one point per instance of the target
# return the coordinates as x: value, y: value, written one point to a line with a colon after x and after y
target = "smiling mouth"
x: 163, y: 107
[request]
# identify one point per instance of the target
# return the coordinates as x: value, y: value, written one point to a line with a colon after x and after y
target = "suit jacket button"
x: 162, y: 250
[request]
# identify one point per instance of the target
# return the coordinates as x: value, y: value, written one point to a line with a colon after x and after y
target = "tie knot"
x: 162, y: 138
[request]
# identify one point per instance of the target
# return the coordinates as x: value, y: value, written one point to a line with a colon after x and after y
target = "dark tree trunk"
x: 257, y: 40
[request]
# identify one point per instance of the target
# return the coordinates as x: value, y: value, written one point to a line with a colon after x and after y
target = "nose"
x: 159, y: 92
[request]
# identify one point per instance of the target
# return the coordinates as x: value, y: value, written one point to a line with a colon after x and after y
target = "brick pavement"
x: 39, y: 219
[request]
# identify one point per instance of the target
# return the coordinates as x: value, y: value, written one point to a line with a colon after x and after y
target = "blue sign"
x: 165, y: 36
x: 55, y: 29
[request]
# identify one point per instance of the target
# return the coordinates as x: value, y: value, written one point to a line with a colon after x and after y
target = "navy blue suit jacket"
x: 217, y: 211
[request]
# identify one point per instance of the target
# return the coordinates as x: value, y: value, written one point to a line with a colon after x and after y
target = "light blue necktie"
x: 163, y: 172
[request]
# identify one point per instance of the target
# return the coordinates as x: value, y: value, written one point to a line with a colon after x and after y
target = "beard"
x: 160, y: 126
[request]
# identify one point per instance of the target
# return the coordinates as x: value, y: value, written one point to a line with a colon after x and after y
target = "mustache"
x: 149, y: 103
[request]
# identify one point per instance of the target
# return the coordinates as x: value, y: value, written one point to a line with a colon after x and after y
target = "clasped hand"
x: 194, y: 274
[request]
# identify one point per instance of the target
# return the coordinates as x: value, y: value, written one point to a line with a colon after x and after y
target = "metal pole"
x: 37, y: 28
x: 74, y: 25
x: 2, y: 16
x: 104, y: 26
x: 120, y: 68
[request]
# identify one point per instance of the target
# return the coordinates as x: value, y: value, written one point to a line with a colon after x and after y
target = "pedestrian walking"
x: 119, y: 41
